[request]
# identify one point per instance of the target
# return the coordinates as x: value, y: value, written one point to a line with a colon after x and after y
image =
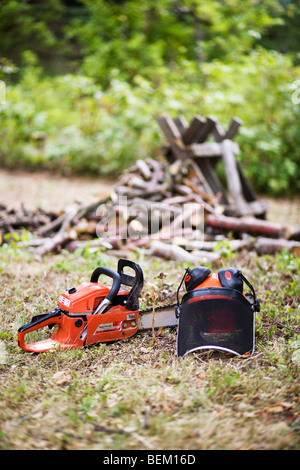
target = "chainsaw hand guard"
x: 38, y: 321
x: 135, y: 282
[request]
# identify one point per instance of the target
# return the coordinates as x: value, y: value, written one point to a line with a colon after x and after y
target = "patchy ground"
x: 47, y: 191
x: 136, y: 394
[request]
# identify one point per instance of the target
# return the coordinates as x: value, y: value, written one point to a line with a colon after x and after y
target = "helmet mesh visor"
x: 211, y: 321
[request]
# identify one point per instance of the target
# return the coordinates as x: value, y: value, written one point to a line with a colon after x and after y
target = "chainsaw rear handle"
x: 37, y: 322
x: 110, y: 273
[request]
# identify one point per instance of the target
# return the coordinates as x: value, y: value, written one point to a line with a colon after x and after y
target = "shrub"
x: 72, y: 124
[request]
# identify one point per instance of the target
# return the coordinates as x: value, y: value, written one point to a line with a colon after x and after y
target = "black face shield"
x: 215, y: 318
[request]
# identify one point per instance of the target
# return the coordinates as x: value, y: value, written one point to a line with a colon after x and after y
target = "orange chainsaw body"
x: 75, y: 319
x: 84, y: 300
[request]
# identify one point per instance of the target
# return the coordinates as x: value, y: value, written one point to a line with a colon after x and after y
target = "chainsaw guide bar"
x: 160, y: 317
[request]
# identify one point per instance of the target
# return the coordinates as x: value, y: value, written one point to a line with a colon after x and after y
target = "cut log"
x: 269, y: 246
x: 180, y: 255
x: 233, y: 128
x: 233, y: 179
x: 295, y: 235
x: 181, y: 124
x: 144, y: 169
x: 173, y: 136
x: 173, y: 252
x: 193, y: 132
x: 207, y: 129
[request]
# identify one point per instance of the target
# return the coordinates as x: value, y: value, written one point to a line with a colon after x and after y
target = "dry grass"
x: 138, y: 395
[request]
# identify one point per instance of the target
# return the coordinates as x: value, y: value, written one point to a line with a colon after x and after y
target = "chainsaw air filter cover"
x: 216, y: 318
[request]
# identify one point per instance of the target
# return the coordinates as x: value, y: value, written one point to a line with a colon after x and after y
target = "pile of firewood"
x: 156, y: 185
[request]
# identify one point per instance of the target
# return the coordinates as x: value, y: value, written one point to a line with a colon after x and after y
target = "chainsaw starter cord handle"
x: 110, y: 273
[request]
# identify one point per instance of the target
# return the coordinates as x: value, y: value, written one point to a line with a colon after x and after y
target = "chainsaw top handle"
x: 110, y: 273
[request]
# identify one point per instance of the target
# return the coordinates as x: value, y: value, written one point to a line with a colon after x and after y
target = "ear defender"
x: 231, y: 278
x: 195, y: 277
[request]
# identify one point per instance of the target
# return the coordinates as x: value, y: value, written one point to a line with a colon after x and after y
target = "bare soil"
x: 47, y: 191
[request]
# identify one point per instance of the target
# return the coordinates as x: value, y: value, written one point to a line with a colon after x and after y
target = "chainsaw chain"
x: 156, y: 311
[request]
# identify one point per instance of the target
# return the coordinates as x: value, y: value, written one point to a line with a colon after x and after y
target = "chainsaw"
x: 94, y: 313
x: 215, y: 312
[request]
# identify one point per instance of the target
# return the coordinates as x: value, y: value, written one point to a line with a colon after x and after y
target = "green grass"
x: 135, y: 394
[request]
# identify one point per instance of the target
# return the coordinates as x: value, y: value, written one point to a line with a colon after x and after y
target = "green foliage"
x: 29, y: 25
x: 147, y: 37
x: 71, y: 123
x: 259, y: 90
x: 285, y: 36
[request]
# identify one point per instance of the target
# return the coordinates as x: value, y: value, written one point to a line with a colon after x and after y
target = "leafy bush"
x: 72, y: 124
x: 259, y: 90
x: 86, y: 79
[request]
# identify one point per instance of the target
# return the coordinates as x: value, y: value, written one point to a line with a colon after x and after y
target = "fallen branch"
x: 57, y: 241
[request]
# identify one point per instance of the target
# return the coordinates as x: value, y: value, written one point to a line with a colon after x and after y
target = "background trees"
x: 84, y: 80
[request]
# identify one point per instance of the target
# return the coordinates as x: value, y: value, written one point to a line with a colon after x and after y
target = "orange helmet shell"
x: 211, y: 281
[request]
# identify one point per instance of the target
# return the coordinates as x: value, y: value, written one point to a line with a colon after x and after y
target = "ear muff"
x: 230, y: 278
x: 195, y: 276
